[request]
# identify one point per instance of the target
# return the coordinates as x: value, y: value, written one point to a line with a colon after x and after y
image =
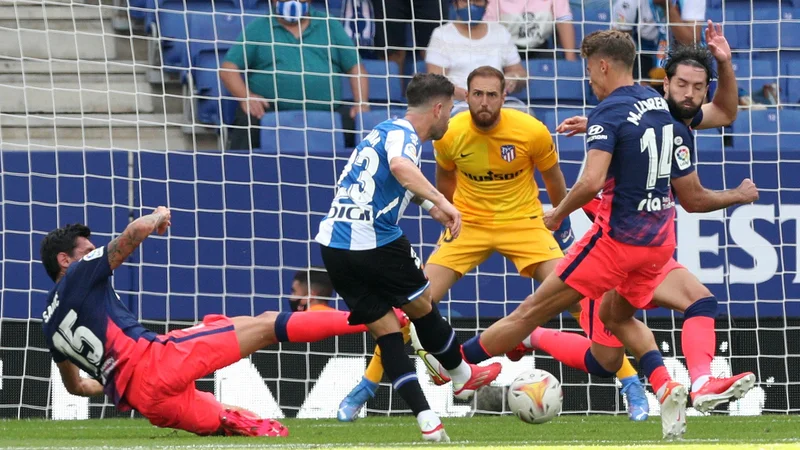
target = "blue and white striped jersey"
x: 369, y: 200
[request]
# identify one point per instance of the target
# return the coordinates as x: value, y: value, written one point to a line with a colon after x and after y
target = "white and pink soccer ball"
x: 535, y: 396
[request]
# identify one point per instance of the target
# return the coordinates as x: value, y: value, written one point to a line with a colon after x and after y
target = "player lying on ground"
x: 688, y: 73
x: 635, y: 148
x: 371, y: 263
x: 87, y: 327
x: 485, y: 165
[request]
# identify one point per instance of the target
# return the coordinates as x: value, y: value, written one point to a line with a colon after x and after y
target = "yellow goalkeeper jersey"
x: 495, y: 168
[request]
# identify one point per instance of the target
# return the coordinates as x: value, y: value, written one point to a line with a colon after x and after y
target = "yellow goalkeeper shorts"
x: 525, y: 242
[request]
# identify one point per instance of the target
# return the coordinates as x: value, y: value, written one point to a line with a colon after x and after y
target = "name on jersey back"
x: 643, y: 106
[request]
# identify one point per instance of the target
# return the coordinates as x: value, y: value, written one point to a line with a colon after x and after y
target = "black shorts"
x: 394, y: 15
x: 372, y: 282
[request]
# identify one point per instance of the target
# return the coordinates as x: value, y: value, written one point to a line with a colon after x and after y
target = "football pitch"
x: 479, y: 432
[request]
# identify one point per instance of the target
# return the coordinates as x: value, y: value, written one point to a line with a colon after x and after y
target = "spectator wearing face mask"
x: 288, y: 60
x: 461, y: 46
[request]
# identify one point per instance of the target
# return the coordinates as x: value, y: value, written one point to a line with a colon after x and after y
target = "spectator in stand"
x: 288, y: 60
x: 530, y: 23
x: 395, y: 15
x: 461, y: 46
x: 312, y: 290
x: 652, y: 23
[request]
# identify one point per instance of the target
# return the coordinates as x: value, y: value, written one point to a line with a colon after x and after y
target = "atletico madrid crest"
x: 508, y: 152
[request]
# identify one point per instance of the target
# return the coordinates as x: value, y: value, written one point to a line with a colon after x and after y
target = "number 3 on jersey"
x: 74, y: 343
x: 658, y: 168
x: 367, y: 161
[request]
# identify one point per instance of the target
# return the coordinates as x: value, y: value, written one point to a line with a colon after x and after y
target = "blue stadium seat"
x: 738, y: 24
x: 366, y: 121
x: 564, y: 143
x: 547, y: 116
x: 597, y: 17
x: 139, y: 9
x: 789, y: 126
x: 765, y: 17
x: 172, y: 24
x: 217, y: 30
x: 790, y: 28
x: 756, y: 130
x: 709, y: 140
x: 570, y: 84
x: 298, y: 132
x: 384, y: 85
x: 541, y: 87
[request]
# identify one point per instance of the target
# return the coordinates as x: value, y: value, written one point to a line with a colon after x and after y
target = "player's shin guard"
x: 699, y: 339
x: 652, y: 365
x: 437, y: 337
x: 474, y: 352
x: 401, y: 372
x: 312, y: 327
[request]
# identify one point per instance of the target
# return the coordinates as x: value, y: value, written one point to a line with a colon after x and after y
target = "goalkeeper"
x: 88, y: 328
x: 485, y: 164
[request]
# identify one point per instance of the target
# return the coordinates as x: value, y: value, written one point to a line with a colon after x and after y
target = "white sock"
x: 527, y: 342
x: 461, y: 373
x: 699, y: 382
x: 428, y: 420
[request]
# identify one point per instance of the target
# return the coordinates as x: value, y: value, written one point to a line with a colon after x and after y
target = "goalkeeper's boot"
x: 638, y: 406
x: 437, y: 373
x: 720, y: 390
x: 481, y: 376
x: 245, y: 423
x: 673, y: 410
x: 355, y: 400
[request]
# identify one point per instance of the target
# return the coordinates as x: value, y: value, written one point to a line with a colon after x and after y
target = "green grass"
x: 569, y: 432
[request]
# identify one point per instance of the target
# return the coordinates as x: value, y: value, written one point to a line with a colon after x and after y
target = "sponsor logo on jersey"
x: 492, y: 176
x: 682, y: 157
x: 653, y: 204
x: 349, y: 213
x: 508, y: 152
x: 594, y: 133
x: 94, y: 254
x: 411, y: 151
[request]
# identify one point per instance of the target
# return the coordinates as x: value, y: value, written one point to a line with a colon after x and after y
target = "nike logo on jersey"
x: 464, y: 155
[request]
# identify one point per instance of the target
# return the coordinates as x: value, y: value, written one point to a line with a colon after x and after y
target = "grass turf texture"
x: 568, y: 432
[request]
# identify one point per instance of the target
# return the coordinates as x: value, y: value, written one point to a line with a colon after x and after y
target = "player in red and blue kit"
x: 634, y: 150
x: 88, y: 328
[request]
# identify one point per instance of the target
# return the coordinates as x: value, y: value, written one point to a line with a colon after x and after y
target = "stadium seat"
x: 763, y: 125
x: 569, y: 82
x: 172, y: 23
x: 790, y: 28
x: 738, y: 21
x: 303, y: 133
x: 384, y: 85
x: 366, y: 121
x: 765, y: 32
x: 709, y: 140
x: 789, y: 126
x: 541, y: 87
x: 597, y: 16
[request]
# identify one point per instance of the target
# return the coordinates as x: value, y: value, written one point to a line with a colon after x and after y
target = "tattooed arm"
x: 123, y: 245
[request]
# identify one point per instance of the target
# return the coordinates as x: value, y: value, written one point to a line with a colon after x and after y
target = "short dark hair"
x: 690, y: 55
x: 613, y: 44
x: 425, y: 87
x: 487, y: 71
x: 317, y: 280
x: 60, y: 240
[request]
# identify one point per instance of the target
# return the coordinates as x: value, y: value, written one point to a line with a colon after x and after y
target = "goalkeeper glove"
x: 564, y: 235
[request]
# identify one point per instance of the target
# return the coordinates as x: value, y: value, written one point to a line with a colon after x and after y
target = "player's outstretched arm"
x: 724, y: 106
x: 584, y: 190
x: 126, y: 243
x: 75, y: 383
x: 697, y: 199
x: 411, y: 178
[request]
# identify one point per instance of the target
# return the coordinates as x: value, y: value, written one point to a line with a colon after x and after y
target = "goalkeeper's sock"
x: 652, y: 364
x: 401, y: 372
x: 437, y: 337
x: 699, y: 339
x: 374, y: 370
x: 627, y: 370
x: 312, y: 327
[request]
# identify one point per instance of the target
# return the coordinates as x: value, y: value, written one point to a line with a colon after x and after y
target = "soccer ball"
x: 535, y: 396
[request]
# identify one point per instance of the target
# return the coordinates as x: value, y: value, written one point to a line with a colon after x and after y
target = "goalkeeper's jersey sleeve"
x: 495, y: 168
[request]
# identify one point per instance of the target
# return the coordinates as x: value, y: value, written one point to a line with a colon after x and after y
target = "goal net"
x: 109, y: 109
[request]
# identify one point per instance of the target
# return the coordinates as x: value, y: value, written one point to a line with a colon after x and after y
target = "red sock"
x: 568, y: 348
x: 658, y: 378
x: 698, y: 340
x: 314, y: 326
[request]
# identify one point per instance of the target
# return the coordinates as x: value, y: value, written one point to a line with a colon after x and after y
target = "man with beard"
x: 485, y: 165
x: 688, y: 73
